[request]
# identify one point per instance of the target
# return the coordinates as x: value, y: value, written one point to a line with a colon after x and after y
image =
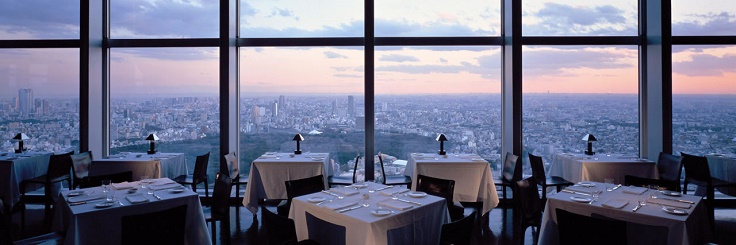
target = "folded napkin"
x: 136, y: 198
x: 581, y: 189
x: 670, y: 203
x: 162, y: 181
x: 122, y: 185
x: 84, y: 198
x: 392, y: 191
x: 344, y: 191
x: 165, y: 186
x: 395, y: 205
x: 634, y: 190
x: 340, y: 204
x: 615, y: 203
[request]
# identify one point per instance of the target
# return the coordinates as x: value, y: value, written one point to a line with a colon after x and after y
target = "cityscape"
x: 553, y: 124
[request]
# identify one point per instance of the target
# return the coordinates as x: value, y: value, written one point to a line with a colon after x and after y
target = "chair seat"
x: 187, y: 179
x: 557, y: 181
x: 722, y: 183
x: 49, y: 238
x: 240, y: 181
x: 283, y: 208
x: 339, y: 180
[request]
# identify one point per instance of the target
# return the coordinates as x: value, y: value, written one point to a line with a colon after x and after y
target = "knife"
x: 385, y: 187
x: 327, y: 192
x: 677, y: 200
x: 350, y: 208
x: 636, y: 208
x: 84, y: 202
x: 575, y: 192
x: 156, y: 196
x: 412, y: 202
x: 616, y: 187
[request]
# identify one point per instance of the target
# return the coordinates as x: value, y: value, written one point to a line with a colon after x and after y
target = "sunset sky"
x: 339, y: 70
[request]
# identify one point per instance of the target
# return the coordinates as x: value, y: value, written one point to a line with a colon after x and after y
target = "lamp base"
x: 297, y: 152
x: 18, y: 151
x: 442, y: 153
x: 152, y: 152
x: 589, y: 152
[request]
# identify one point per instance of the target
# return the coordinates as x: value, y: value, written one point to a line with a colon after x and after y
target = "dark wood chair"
x: 510, y: 173
x: 231, y: 167
x: 344, y: 180
x: 161, y: 227
x: 541, y: 178
x: 199, y: 175
x: 393, y: 179
x: 442, y: 188
x: 58, y: 171
x: 219, y: 209
x: 580, y: 229
x: 80, y: 167
x: 96, y: 180
x: 529, y: 204
x: 280, y: 230
x: 669, y: 168
x: 697, y: 172
x: 299, y: 187
x: 6, y: 237
x: 458, y: 232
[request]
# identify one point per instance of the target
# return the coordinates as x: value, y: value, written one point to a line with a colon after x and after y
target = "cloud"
x: 442, y: 60
x: 487, y: 66
x: 560, y: 19
x: 349, y: 75
x: 164, y: 19
x: 168, y: 53
x: 334, y: 55
x: 706, y: 24
x: 283, y: 13
x: 538, y: 62
x: 706, y: 65
x: 39, y: 19
x: 398, y: 58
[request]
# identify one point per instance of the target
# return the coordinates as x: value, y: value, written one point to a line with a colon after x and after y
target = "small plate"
x: 177, y: 190
x: 318, y: 159
x: 580, y: 199
x: 417, y: 194
x: 380, y: 212
x: 132, y: 190
x: 75, y: 193
x: 675, y: 211
x: 671, y: 193
x: 316, y: 199
x: 586, y: 184
x: 359, y: 185
x: 104, y: 204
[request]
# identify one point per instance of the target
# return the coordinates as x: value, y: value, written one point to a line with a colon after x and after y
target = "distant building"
x: 26, y: 104
x: 351, y: 105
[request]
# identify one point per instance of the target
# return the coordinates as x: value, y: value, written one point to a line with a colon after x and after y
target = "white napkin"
x: 634, y: 190
x: 395, y: 205
x: 84, y: 198
x: 345, y: 191
x: 136, y: 198
x: 615, y: 203
x: 340, y: 205
x: 165, y: 186
x: 162, y: 181
x: 122, y: 185
x: 392, y: 191
x: 670, y: 203
x: 580, y: 189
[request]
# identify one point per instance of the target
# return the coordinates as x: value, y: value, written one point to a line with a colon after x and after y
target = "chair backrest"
x: 221, y: 196
x: 299, y: 187
x: 537, y: 168
x: 5, y: 226
x: 230, y: 166
x: 528, y: 200
x: 355, y: 168
x: 200, y: 167
x: 80, y: 164
x: 437, y: 187
x: 161, y: 227
x: 383, y: 171
x: 669, y: 167
x: 511, y: 169
x: 96, y: 180
x: 59, y: 165
x: 696, y: 168
x: 459, y: 231
x: 580, y: 229
x: 279, y: 229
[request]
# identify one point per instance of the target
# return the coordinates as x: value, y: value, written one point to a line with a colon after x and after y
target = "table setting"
x: 596, y: 167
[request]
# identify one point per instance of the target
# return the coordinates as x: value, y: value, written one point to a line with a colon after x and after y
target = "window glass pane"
x: 703, y: 18
x: 423, y: 91
x: 704, y: 99
x: 579, y: 18
x: 36, y: 19
x: 317, y: 92
x: 172, y: 92
x: 301, y: 18
x: 164, y: 19
x: 415, y: 18
x: 571, y: 91
x: 40, y: 97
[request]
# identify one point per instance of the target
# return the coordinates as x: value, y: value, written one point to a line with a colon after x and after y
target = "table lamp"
x: 589, y: 138
x: 152, y: 138
x: 441, y: 138
x: 20, y: 137
x: 298, y: 138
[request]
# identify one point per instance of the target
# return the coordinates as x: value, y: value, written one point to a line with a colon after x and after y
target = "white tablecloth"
x: 723, y: 167
x: 15, y: 168
x: 159, y: 165
x: 576, y: 168
x: 683, y: 229
x: 86, y: 224
x: 472, y: 175
x: 420, y: 223
x: 269, y: 172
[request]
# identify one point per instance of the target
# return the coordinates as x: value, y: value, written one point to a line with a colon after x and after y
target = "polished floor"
x: 245, y: 228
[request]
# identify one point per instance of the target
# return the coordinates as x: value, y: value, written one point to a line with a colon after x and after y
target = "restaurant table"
x: 723, y: 167
x: 419, y: 224
x: 471, y: 173
x: 16, y: 167
x: 579, y: 167
x: 690, y: 228
x: 89, y: 224
x: 159, y: 165
x: 269, y: 172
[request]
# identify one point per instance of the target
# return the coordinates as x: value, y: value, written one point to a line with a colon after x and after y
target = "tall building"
x: 26, y: 104
x: 282, y: 102
x: 275, y: 108
x: 334, y: 107
x: 351, y: 105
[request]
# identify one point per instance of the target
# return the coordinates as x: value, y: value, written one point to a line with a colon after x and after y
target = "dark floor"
x: 243, y: 229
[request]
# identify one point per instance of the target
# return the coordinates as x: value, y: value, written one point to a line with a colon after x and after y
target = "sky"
x: 339, y: 70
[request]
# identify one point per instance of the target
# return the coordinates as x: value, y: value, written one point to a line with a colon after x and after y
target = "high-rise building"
x: 282, y: 102
x: 275, y: 108
x: 334, y: 107
x: 26, y: 104
x: 351, y: 105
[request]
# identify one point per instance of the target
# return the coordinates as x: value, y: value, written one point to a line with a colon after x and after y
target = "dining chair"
x: 669, y: 168
x: 510, y: 173
x: 231, y: 167
x: 80, y: 167
x: 444, y: 188
x: 280, y: 230
x: 96, y: 180
x: 199, y: 175
x: 219, y: 209
x: 580, y: 229
x: 6, y: 236
x: 529, y: 204
x: 458, y: 232
x: 697, y: 172
x: 393, y: 179
x: 58, y: 171
x: 541, y: 178
x: 160, y: 227
x: 299, y: 187
x: 344, y: 180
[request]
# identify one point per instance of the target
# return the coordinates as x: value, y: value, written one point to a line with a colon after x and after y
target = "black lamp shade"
x: 152, y: 138
x: 441, y: 138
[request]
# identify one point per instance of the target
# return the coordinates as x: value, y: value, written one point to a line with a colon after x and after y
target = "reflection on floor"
x: 243, y: 229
